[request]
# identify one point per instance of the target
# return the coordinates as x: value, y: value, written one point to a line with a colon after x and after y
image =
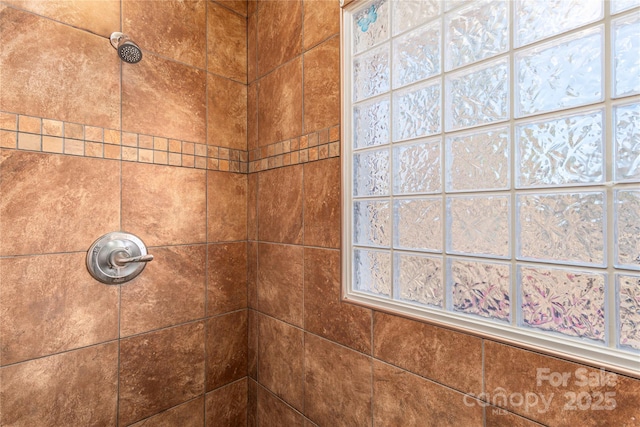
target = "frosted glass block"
x: 416, y: 112
x: 452, y: 4
x: 562, y: 227
x: 618, y: 6
x: 628, y: 291
x: 478, y: 225
x: 416, y: 167
x: 568, y: 150
x: 371, y: 25
x: 478, y: 161
x: 417, y: 224
x: 476, y: 32
x: 372, y: 223
x: 627, y: 214
x: 568, y: 302
x: 536, y: 20
x: 371, y: 74
x: 480, y: 288
x: 418, y: 279
x: 371, y: 173
x: 627, y: 142
x: 372, y: 272
x: 411, y: 13
x: 478, y: 96
x: 561, y: 74
x: 371, y: 123
x: 626, y: 54
x: 416, y: 55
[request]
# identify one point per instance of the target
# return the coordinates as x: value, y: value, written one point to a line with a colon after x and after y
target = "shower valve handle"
x: 120, y: 261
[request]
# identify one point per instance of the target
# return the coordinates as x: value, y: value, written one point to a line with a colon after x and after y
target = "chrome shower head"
x: 127, y: 49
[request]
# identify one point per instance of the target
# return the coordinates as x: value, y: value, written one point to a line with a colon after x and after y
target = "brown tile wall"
x: 316, y: 360
x: 90, y: 145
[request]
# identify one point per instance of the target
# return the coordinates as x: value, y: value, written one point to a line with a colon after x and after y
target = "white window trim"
x: 607, y: 357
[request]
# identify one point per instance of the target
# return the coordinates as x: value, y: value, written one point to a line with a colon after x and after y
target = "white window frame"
x: 603, y: 356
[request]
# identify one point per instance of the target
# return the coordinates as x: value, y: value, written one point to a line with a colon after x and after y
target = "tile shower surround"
x: 285, y: 350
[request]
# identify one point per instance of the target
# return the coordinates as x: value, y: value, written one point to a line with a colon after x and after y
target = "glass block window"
x: 491, y: 158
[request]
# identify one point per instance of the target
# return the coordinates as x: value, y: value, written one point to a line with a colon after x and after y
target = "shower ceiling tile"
x: 226, y: 43
x: 49, y: 203
x: 227, y: 278
x: 154, y: 211
x: 226, y: 206
x: 67, y: 389
x: 71, y: 311
x: 164, y: 98
x: 324, y: 313
x: 280, y: 103
x: 280, y: 282
x: 74, y: 69
x: 424, y: 402
x: 280, y: 205
x: 321, y: 21
x: 322, y: 86
x: 98, y: 16
x: 154, y: 27
x: 170, y: 291
x: 227, y: 113
x: 281, y: 359
x: 160, y: 370
x: 279, y: 33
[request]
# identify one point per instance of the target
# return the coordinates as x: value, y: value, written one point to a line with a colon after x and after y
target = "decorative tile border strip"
x: 318, y: 145
x: 29, y: 133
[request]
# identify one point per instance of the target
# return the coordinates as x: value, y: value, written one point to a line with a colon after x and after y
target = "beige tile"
x: 227, y: 206
x: 321, y: 21
x: 227, y: 277
x: 29, y: 124
x: 322, y: 204
x: 226, y: 346
x: 29, y: 141
x: 227, y: 406
x: 324, y: 313
x: 226, y: 43
x: 272, y: 411
x: 514, y: 377
x: 186, y: 415
x: 322, y: 86
x: 280, y: 205
x: 182, y: 39
x: 164, y: 205
x: 77, y: 388
x: 404, y: 399
x: 164, y: 98
x: 160, y: 370
x: 53, y: 203
x: 450, y: 358
x: 74, y: 69
x: 280, y: 103
x: 279, y: 33
x: 227, y: 113
x: 337, y: 389
x: 281, y: 360
x: 170, y: 290
x: 44, y: 313
x: 280, y: 282
x: 98, y: 16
